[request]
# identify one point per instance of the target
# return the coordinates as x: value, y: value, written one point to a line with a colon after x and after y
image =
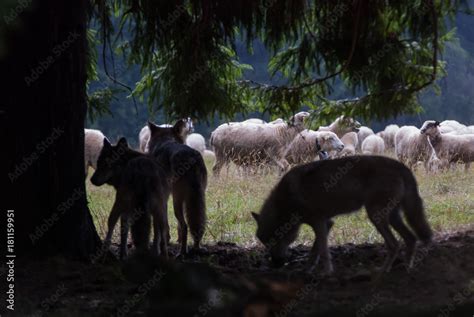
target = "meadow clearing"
x: 448, y: 198
x: 440, y: 284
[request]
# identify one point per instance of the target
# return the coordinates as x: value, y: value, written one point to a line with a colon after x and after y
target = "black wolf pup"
x: 187, y: 175
x: 316, y: 192
x: 141, y: 192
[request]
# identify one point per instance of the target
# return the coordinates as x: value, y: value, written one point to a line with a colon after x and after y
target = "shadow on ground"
x: 229, y: 280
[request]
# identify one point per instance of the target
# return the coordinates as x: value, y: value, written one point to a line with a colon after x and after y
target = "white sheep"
x: 452, y: 148
x: 448, y: 126
x: 197, y: 142
x: 341, y: 126
x: 350, y: 141
x: 144, y: 135
x: 388, y: 135
x: 362, y: 134
x: 411, y: 146
x: 373, y: 145
x: 93, y: 142
x: 250, y: 144
x: 308, y: 143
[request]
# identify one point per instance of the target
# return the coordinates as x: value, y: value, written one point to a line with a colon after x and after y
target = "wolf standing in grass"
x: 142, y: 191
x: 316, y: 192
x: 187, y: 175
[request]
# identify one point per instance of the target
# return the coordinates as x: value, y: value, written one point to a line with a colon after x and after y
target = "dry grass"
x: 448, y: 197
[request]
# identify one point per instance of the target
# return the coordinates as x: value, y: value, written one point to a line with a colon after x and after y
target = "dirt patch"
x: 441, y: 284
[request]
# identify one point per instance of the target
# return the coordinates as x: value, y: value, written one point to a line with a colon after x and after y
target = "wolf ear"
x: 153, y: 127
x: 122, y: 142
x: 107, y: 144
x: 180, y: 128
x: 255, y: 216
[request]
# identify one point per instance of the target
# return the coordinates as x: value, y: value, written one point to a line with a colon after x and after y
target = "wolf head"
x: 275, y: 235
x: 176, y: 133
x: 348, y: 124
x: 110, y: 162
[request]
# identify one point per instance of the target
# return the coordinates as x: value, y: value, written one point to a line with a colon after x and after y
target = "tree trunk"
x: 43, y: 106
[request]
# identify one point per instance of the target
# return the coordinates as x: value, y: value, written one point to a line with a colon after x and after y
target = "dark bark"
x: 43, y: 116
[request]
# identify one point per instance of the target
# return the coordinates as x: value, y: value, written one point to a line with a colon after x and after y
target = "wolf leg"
x: 178, y: 202
x: 124, y: 227
x: 112, y: 221
x: 165, y: 229
x: 320, y: 248
x: 160, y: 229
x: 378, y: 216
x: 408, y: 237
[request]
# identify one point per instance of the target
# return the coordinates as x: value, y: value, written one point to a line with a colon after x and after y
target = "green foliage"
x: 386, y: 51
x: 99, y: 102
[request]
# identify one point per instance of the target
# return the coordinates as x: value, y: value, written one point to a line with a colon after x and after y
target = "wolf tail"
x: 195, y: 205
x: 413, y: 208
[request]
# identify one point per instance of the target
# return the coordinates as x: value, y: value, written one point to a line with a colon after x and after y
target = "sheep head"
x: 430, y: 127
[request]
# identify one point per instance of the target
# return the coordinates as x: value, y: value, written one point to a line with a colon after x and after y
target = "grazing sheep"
x: 350, y: 141
x: 144, y: 135
x: 471, y: 129
x: 411, y: 146
x: 304, y: 148
x: 373, y: 145
x: 341, y: 126
x: 362, y: 134
x: 197, y: 142
x: 247, y: 144
x: 93, y: 142
x: 388, y: 135
x: 450, y: 147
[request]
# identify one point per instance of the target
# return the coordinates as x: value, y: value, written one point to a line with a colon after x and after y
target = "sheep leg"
x: 408, y: 237
x: 283, y: 165
x: 216, y: 169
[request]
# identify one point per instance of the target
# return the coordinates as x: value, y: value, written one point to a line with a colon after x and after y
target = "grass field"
x: 448, y: 197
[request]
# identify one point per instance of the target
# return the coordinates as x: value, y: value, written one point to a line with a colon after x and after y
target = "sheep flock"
x: 254, y: 145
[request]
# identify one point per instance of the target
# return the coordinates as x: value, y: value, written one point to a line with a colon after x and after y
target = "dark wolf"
x: 316, y: 192
x: 187, y: 175
x: 142, y: 191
